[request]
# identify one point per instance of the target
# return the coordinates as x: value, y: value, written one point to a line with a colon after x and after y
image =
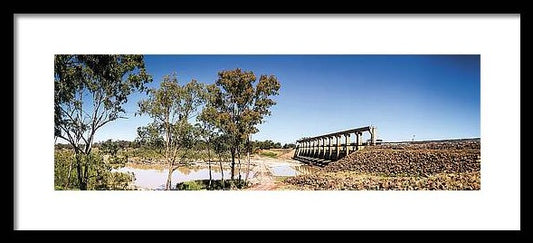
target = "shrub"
x: 190, y: 186
x: 269, y: 154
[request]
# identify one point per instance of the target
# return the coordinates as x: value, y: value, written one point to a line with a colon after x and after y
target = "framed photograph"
x: 356, y: 122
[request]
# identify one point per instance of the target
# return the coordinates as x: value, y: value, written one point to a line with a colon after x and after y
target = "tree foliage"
x: 150, y: 137
x: 100, y: 174
x: 289, y: 146
x: 267, y: 144
x: 238, y: 102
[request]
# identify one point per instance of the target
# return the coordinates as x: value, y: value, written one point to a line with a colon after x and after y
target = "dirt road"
x: 263, y: 179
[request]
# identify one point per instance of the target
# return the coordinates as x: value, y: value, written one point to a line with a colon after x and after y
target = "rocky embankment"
x: 448, y: 165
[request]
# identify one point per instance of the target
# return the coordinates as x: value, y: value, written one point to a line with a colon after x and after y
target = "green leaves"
x: 172, y: 101
x: 171, y: 106
x: 90, y: 91
x: 235, y: 106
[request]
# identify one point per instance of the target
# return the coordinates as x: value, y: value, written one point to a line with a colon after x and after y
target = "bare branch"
x: 70, y: 139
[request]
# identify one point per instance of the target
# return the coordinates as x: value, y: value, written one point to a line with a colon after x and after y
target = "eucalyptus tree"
x: 171, y: 107
x: 241, y: 102
x: 208, y: 132
x: 221, y: 146
x: 89, y: 92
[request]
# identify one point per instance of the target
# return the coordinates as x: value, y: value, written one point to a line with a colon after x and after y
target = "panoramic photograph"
x: 267, y: 122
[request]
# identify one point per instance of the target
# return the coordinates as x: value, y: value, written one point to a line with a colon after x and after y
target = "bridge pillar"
x: 319, y: 146
x: 309, y: 152
x: 328, y: 154
x: 373, y: 135
x: 323, y: 142
x: 315, y: 148
x: 324, y: 148
x: 335, y: 146
x: 346, y: 143
x: 358, y: 138
x: 317, y: 152
x: 306, y: 148
x: 331, y: 145
x: 310, y: 147
x: 338, y: 147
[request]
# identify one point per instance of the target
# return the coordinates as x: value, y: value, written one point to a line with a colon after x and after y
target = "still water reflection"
x: 288, y: 170
x: 156, y: 178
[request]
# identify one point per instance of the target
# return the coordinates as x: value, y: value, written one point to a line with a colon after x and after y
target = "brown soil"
x: 263, y: 179
x: 287, y: 154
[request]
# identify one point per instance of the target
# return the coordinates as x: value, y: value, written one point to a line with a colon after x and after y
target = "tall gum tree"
x: 208, y: 131
x: 241, y: 102
x: 89, y: 92
x: 172, y: 106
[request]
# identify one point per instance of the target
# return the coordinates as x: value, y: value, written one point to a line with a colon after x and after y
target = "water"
x: 283, y: 170
x: 157, y: 178
x: 288, y: 170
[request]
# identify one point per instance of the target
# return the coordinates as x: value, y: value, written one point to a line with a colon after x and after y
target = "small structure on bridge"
x: 331, y: 147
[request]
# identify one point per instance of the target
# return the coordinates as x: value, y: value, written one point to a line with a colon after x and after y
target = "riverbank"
x: 261, y: 173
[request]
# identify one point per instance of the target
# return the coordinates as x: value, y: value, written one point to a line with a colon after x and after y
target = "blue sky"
x: 428, y: 96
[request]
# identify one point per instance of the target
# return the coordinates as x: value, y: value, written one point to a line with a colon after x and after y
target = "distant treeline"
x: 269, y: 144
x: 122, y: 144
x: 125, y: 144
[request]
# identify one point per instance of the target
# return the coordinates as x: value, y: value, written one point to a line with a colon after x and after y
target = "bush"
x: 62, y: 167
x: 269, y: 154
x: 101, y: 176
x: 190, y: 186
x: 215, y: 185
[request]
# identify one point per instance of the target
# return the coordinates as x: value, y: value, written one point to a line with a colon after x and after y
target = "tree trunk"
x: 239, y: 161
x: 222, y: 172
x: 248, y: 158
x: 83, y: 186
x: 86, y: 170
x: 68, y: 175
x: 79, y: 168
x: 209, y: 165
x: 168, y: 185
x: 232, y: 164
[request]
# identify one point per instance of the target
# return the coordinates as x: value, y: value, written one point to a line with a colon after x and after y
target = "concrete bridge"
x: 333, y: 146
